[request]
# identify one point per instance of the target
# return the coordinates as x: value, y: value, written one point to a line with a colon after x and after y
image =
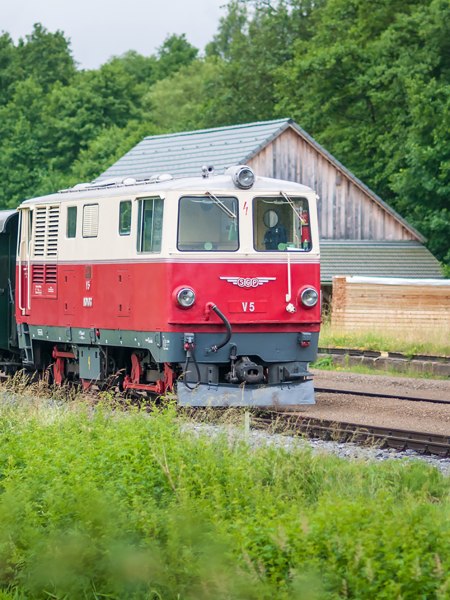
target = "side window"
x: 150, y: 222
x: 281, y: 223
x: 90, y: 220
x: 125, y: 217
x: 71, y: 231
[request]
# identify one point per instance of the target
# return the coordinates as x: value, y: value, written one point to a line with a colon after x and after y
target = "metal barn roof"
x: 377, y: 259
x: 184, y: 154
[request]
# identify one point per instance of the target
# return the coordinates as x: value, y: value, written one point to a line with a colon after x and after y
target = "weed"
x: 97, y: 502
x: 410, y: 342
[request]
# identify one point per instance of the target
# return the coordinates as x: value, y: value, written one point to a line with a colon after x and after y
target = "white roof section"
x: 217, y: 184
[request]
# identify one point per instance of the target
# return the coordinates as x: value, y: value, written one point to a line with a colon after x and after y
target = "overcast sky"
x: 99, y: 29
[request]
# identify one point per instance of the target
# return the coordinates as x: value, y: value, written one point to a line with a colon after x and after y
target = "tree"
x: 176, y: 52
x: 372, y: 85
x: 183, y: 101
x: 7, y: 70
x: 21, y: 161
x: 253, y: 41
x: 46, y: 57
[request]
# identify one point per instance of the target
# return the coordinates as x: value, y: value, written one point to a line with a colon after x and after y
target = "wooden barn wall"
x: 393, y: 308
x: 346, y: 212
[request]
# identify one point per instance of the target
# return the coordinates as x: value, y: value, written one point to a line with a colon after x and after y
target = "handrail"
x: 29, y: 277
x: 21, y: 307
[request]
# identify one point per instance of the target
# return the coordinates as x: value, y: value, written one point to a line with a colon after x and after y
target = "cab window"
x: 150, y: 223
x: 208, y: 223
x: 281, y: 223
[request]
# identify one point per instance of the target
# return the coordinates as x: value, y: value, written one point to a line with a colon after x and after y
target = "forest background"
x: 370, y: 81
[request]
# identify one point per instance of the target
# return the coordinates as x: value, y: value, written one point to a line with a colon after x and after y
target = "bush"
x: 96, y: 503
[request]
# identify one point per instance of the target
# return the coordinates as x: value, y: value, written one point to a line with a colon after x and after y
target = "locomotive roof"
x: 215, y: 183
x: 4, y: 216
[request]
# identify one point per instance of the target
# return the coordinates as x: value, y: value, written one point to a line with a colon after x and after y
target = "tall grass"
x: 410, y: 341
x: 96, y: 503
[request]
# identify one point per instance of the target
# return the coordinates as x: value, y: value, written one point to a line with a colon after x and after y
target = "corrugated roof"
x: 184, y: 154
x: 377, y: 259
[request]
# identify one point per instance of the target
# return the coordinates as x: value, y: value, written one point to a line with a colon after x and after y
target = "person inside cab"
x: 276, y: 233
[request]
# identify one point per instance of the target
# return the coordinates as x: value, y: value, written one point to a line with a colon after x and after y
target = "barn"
x: 360, y: 234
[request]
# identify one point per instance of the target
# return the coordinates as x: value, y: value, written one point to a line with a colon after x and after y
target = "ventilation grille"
x: 46, y: 227
x: 90, y: 220
x: 43, y: 274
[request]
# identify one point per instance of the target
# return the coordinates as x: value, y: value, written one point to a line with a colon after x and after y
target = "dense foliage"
x: 370, y: 81
x: 103, y: 504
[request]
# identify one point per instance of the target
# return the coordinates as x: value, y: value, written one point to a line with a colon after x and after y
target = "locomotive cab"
x: 264, y: 293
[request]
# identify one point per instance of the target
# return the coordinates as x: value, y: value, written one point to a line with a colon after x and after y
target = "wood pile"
x: 374, y: 303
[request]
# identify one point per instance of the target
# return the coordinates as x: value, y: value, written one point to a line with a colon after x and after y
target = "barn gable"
x: 349, y: 212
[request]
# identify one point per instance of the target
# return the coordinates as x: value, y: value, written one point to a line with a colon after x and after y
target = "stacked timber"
x: 393, y: 304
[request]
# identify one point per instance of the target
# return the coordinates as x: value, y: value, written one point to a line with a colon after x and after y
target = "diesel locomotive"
x: 206, y: 286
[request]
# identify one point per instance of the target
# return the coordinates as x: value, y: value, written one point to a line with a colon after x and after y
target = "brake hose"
x: 189, y: 347
x: 226, y: 322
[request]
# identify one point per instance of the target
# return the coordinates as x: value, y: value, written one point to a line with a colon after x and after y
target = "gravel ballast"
x: 398, y: 414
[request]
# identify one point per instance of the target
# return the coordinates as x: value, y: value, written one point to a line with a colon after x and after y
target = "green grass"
x: 101, y: 503
x: 409, y: 342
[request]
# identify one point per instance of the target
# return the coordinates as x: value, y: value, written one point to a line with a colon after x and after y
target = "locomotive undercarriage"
x: 201, y: 373
x: 245, y: 382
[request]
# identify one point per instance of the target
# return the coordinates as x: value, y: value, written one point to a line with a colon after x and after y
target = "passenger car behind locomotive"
x: 208, y: 285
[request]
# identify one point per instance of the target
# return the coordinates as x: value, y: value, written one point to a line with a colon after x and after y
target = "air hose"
x: 226, y: 322
x: 190, y: 354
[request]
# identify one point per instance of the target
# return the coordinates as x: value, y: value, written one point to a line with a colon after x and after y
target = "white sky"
x: 100, y: 29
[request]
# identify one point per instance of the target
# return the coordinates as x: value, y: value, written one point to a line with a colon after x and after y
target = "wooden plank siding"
x: 401, y: 306
x: 346, y: 211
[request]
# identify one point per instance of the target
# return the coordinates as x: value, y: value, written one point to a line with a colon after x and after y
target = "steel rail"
x: 347, y: 392
x: 400, y: 439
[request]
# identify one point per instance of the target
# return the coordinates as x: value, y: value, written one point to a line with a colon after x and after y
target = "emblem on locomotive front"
x: 248, y: 282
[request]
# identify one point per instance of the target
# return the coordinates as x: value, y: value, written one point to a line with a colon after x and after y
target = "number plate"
x: 248, y: 307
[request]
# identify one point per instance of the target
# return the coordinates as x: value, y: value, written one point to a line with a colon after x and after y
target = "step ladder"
x: 27, y: 346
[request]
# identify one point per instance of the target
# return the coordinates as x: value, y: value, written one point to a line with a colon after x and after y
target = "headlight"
x: 185, y: 297
x: 309, y: 297
x: 242, y: 176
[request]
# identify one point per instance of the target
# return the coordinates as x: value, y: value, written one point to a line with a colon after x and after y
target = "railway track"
x: 353, y: 392
x: 399, y: 439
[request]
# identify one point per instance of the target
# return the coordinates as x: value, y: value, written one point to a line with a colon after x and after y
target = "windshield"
x: 208, y: 223
x: 281, y: 223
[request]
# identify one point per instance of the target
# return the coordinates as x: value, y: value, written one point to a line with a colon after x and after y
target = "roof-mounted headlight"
x: 242, y: 176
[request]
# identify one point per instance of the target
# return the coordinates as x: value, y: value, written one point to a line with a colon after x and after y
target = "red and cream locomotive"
x: 208, y: 286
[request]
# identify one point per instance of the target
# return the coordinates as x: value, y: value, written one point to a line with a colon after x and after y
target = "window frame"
x: 212, y: 249
x: 71, y: 210
x: 140, y: 238
x: 289, y: 247
x: 125, y: 232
